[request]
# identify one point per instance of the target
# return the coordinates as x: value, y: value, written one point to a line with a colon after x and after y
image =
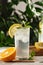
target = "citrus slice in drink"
x: 8, y: 54
x: 13, y: 28
x: 39, y: 45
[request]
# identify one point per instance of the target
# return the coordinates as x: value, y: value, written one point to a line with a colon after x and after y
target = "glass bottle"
x: 41, y: 28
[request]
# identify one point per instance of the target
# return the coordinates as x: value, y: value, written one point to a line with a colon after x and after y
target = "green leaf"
x: 9, y: 4
x: 2, y: 36
x: 17, y: 18
x: 9, y: 40
x: 21, y: 11
x: 30, y: 58
x: 24, y: 1
x: 32, y: 53
x: 38, y: 9
x: 39, y: 3
x: 9, y: 9
x: 29, y: 12
x: 9, y: 12
x: 15, y: 2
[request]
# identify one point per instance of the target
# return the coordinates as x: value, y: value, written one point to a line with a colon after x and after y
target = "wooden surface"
x: 23, y: 60
x: 38, y: 52
x: 32, y: 48
x: 38, y: 59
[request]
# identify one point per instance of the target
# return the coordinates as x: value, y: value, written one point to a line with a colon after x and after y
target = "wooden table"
x: 38, y: 62
x: 38, y: 58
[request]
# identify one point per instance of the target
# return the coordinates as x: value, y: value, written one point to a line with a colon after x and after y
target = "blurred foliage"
x: 5, y: 40
x: 32, y: 54
x: 9, y: 16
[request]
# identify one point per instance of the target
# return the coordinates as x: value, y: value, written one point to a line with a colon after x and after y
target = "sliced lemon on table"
x: 13, y: 29
x: 8, y: 54
x: 39, y: 45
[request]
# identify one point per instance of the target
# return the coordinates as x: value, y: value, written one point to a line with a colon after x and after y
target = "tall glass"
x: 22, y: 42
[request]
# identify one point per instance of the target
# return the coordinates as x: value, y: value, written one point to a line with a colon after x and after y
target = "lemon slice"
x: 39, y: 45
x: 13, y: 29
x: 8, y: 54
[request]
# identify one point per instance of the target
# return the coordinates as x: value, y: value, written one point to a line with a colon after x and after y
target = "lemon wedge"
x: 13, y: 28
x: 39, y: 45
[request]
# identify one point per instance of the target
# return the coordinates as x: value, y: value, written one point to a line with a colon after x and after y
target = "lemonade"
x: 22, y: 42
x: 21, y: 36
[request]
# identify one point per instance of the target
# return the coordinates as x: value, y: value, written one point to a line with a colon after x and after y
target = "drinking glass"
x: 22, y: 37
